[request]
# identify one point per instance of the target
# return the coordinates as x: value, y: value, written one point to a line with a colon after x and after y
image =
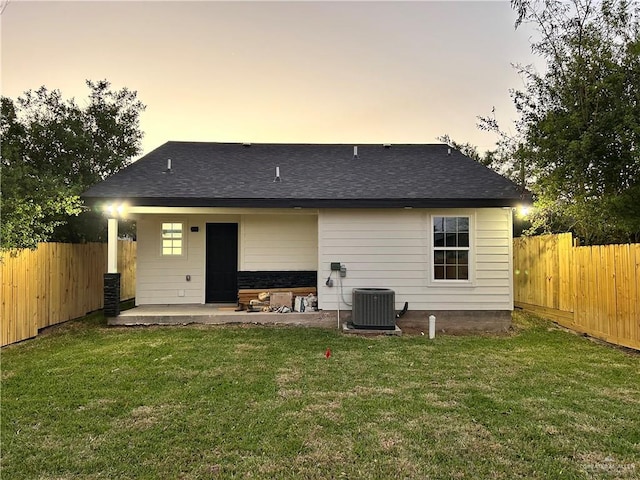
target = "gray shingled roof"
x: 312, y: 175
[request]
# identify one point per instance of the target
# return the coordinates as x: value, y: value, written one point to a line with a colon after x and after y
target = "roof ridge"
x: 321, y: 144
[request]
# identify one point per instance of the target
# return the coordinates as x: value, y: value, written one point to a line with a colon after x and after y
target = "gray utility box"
x: 374, y: 308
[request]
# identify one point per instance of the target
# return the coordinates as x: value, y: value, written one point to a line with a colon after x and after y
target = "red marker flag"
x: 327, y: 353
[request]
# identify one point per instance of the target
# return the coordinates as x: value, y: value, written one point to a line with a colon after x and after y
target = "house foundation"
x: 458, y: 321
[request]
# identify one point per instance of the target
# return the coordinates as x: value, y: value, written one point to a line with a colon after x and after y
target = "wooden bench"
x: 245, y: 295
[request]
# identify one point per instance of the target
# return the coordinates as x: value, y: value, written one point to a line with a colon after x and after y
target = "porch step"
x: 172, y: 315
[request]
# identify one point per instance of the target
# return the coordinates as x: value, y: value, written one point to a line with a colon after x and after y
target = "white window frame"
x: 183, y: 243
x: 470, y: 281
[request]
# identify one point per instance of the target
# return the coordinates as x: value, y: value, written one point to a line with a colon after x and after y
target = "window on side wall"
x: 450, y: 248
x: 172, y: 238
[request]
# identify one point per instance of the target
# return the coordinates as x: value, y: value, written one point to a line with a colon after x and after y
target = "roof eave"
x: 314, y: 202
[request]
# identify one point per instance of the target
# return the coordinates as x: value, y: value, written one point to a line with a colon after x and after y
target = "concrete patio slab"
x: 218, y: 315
x: 346, y: 328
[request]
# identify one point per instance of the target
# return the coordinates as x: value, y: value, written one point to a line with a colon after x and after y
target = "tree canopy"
x: 576, y: 144
x: 579, y: 127
x: 53, y: 150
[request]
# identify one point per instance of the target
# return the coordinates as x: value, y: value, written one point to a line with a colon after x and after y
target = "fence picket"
x: 55, y: 283
x: 594, y: 290
x: 634, y: 260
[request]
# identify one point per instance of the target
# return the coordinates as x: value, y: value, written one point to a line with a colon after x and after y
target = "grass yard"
x: 87, y: 401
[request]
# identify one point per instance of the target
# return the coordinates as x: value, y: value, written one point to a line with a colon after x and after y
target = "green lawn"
x: 87, y: 401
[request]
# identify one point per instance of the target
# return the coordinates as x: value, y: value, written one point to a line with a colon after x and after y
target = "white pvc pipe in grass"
x: 432, y: 327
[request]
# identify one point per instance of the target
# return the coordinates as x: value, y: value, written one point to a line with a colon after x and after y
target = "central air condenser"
x: 373, y: 308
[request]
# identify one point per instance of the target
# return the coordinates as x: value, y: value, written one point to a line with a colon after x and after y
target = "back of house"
x: 423, y: 221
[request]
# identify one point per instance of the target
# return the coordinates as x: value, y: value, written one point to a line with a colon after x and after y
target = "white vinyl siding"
x: 392, y: 249
x: 279, y: 242
x: 266, y: 242
x: 380, y: 248
x: 387, y: 248
x: 162, y: 279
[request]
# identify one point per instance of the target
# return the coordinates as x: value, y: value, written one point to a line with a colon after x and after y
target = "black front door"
x: 222, y: 263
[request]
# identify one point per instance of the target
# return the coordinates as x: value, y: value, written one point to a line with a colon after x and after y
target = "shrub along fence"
x: 55, y: 283
x: 593, y: 290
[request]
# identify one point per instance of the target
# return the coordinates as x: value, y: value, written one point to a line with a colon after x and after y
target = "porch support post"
x: 112, y: 277
x: 112, y: 249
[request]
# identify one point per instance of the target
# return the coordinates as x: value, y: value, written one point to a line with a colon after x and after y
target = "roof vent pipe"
x: 277, y: 179
x: 449, y: 151
x: 355, y: 151
x: 168, y: 165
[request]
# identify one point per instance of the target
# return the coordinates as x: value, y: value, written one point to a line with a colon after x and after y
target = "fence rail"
x: 593, y: 290
x: 55, y: 283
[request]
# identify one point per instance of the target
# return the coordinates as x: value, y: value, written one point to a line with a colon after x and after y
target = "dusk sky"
x: 326, y: 72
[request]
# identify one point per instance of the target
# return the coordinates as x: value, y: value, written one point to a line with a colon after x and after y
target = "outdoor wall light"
x: 115, y: 209
x: 523, y: 210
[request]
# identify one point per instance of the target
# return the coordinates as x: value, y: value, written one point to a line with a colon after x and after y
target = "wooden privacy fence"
x: 593, y: 290
x: 55, y: 283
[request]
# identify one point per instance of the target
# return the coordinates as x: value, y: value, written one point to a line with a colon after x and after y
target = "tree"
x: 504, y: 159
x: 467, y: 148
x: 52, y: 151
x: 580, y: 118
x: 31, y: 205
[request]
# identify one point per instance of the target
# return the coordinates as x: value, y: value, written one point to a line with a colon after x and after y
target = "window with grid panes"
x: 450, y: 248
x: 171, y: 238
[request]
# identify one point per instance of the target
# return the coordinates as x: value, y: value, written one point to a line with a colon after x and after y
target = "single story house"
x: 423, y: 220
